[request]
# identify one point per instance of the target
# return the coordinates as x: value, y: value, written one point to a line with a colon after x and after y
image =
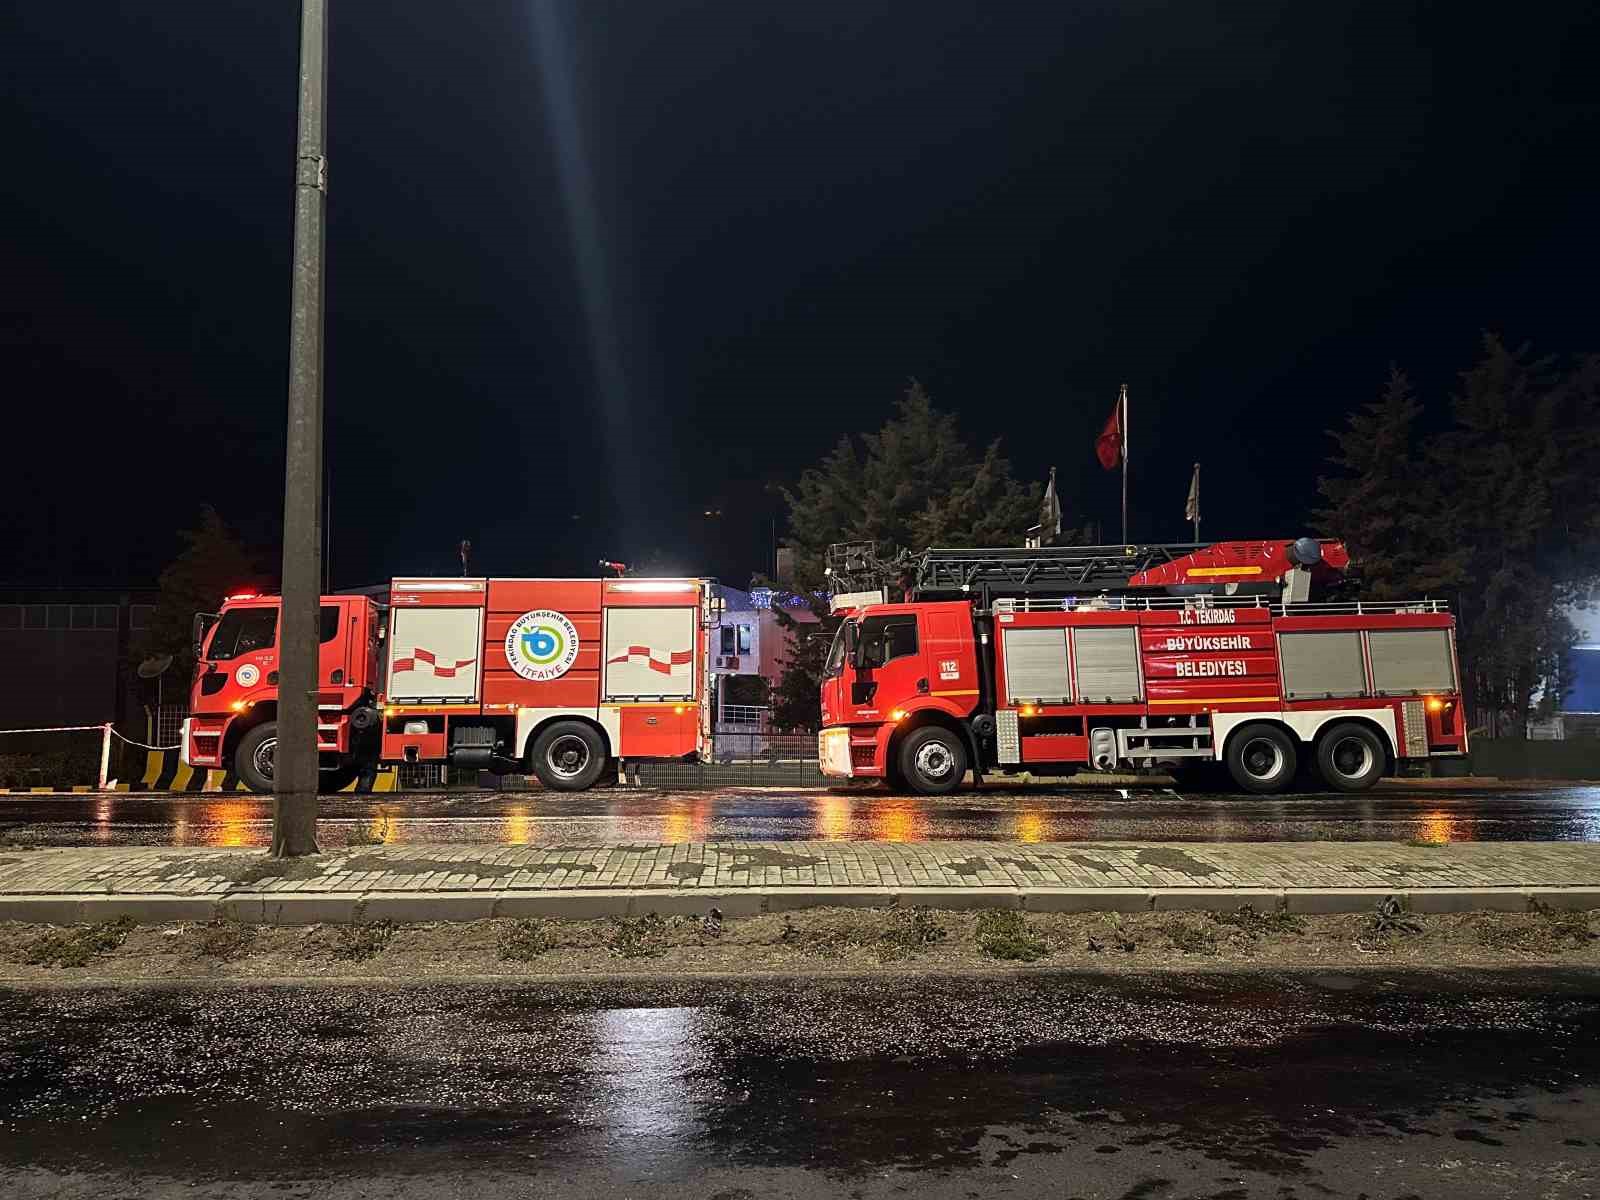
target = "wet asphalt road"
x: 774, y: 814
x: 1223, y: 1086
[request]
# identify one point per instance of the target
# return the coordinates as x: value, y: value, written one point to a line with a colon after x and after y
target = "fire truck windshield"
x: 835, y: 660
x: 242, y: 630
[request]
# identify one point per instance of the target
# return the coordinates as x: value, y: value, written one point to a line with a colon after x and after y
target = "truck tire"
x: 568, y: 756
x: 933, y: 760
x: 1350, y: 757
x: 1262, y: 758
x: 254, y: 756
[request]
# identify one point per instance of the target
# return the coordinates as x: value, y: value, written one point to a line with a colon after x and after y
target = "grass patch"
x: 224, y: 940
x: 1543, y: 930
x: 375, y: 835
x: 1191, y: 934
x: 1389, y: 922
x: 1118, y: 935
x: 1004, y: 933
x: 639, y: 937
x: 77, y: 946
x: 524, y: 941
x: 888, y: 934
x: 356, y: 943
x: 1253, y: 924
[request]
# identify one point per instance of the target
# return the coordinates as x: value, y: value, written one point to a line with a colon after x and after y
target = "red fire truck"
x: 1116, y: 657
x: 558, y: 677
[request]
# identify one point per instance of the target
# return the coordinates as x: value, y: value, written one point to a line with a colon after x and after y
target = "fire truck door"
x: 893, y: 672
x: 650, y: 653
x: 434, y: 655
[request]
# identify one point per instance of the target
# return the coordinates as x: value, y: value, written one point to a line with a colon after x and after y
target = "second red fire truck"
x: 1109, y: 658
x: 557, y: 677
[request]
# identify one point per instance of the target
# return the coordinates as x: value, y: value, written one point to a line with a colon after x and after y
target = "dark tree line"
x: 1489, y: 499
x: 915, y: 482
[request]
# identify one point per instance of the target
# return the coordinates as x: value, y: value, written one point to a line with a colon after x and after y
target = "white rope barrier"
x: 106, y: 734
x: 144, y: 745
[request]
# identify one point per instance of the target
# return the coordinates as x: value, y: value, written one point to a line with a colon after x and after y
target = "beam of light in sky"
x: 585, y: 229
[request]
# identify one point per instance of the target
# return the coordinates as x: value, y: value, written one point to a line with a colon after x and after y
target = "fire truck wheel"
x: 568, y: 756
x: 933, y: 760
x: 252, y: 761
x: 1350, y: 758
x: 1261, y: 758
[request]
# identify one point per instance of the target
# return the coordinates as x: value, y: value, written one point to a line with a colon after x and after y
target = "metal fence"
x: 748, y: 759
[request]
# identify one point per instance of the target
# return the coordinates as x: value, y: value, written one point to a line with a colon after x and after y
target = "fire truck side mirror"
x: 852, y: 644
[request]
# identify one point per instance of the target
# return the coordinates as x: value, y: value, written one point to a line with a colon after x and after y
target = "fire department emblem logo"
x: 541, y: 645
x: 247, y: 675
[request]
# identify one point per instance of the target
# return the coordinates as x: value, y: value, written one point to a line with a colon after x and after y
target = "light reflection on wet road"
x: 775, y: 814
x: 1151, y: 1086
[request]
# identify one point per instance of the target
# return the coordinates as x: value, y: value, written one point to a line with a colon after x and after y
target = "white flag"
x: 1050, y: 510
x: 1191, y: 510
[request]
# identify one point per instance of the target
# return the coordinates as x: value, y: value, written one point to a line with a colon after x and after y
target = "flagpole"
x: 1123, y: 400
x: 1197, y: 504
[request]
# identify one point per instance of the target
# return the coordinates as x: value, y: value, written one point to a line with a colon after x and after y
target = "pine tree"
x: 915, y: 482
x: 1386, y: 507
x: 212, y: 564
x: 1520, y: 462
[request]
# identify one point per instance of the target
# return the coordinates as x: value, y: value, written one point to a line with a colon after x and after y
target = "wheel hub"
x: 1352, y: 757
x: 568, y: 756
x: 934, y: 760
x: 263, y: 757
x: 1262, y: 758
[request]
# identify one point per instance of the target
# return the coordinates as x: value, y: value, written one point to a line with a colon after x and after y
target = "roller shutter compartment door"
x: 650, y: 653
x: 1036, y: 665
x: 1411, y: 660
x: 1318, y: 665
x: 1108, y: 665
x: 434, y: 654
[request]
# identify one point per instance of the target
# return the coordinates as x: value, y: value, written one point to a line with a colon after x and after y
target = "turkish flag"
x: 1108, y: 446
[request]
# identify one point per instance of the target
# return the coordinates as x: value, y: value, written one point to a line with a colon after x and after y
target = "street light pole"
x: 295, y: 767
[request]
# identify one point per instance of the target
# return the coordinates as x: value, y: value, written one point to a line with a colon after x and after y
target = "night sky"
x: 595, y: 268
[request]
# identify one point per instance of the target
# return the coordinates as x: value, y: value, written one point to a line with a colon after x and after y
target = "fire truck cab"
x: 1063, y: 659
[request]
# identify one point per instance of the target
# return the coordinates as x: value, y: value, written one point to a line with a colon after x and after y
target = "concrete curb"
x: 279, y: 908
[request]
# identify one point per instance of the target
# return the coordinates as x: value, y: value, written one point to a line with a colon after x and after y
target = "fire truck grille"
x: 1416, y: 723
x: 1008, y: 740
x: 863, y: 754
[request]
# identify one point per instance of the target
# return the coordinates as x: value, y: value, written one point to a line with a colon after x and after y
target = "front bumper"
x: 183, y: 738
x: 833, y: 752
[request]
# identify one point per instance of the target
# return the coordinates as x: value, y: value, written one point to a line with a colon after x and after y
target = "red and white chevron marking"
x: 427, y: 656
x: 676, y: 659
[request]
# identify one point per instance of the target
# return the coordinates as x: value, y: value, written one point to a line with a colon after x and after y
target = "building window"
x: 139, y: 616
x: 736, y: 639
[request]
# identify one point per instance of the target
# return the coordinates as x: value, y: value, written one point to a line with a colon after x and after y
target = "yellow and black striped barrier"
x: 145, y: 770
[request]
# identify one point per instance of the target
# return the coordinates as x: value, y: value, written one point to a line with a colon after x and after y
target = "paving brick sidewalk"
x: 812, y: 864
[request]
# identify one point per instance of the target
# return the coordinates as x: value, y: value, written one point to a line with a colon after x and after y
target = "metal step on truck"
x: 952, y: 665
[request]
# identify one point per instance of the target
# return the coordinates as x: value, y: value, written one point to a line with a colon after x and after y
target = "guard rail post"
x: 105, y: 754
